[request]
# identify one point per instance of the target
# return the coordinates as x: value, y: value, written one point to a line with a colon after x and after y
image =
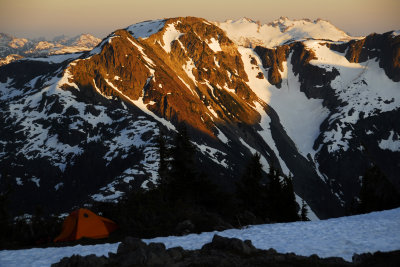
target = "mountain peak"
x: 84, y: 40
x: 146, y: 28
x: 245, y: 31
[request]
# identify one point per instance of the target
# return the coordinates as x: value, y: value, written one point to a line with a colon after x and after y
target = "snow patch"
x: 36, y: 181
x: 214, y: 45
x: 171, y: 34
x: 216, y: 62
x: 100, y: 92
x: 141, y: 50
x: 392, y: 143
x: 213, y: 154
x: 212, y: 111
x: 187, y: 85
x: 266, y: 134
x: 311, y: 215
x: 18, y: 180
x: 58, y: 186
x: 222, y: 137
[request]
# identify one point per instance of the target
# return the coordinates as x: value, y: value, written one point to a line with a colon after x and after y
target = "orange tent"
x: 84, y: 223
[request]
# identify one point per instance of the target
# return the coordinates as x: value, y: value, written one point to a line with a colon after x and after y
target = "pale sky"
x: 49, y: 18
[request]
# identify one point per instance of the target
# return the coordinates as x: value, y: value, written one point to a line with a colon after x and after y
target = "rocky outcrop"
x: 314, y: 81
x: 272, y: 60
x: 221, y: 251
x: 385, y: 47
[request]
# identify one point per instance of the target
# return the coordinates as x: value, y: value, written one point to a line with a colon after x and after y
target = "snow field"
x: 339, y: 237
x: 363, y: 86
x: 300, y: 116
x: 146, y: 28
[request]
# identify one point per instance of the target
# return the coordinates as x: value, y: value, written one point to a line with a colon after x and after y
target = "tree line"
x: 185, y: 200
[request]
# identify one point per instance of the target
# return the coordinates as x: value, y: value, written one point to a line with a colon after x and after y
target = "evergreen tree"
x: 163, y: 168
x: 377, y: 192
x: 288, y: 204
x: 249, y: 188
x: 304, y: 211
x: 282, y: 202
x: 5, y: 229
x: 183, y: 172
x: 273, y: 193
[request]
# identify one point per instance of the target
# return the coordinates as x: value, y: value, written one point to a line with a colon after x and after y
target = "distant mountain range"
x: 12, y: 48
x: 312, y: 100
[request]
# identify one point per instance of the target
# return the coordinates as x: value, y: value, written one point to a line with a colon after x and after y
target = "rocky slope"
x: 221, y: 251
x: 82, y: 127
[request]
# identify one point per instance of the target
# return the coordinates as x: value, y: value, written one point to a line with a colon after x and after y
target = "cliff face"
x: 87, y: 123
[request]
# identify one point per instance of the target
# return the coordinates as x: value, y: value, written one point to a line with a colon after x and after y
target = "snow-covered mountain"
x: 23, y: 47
x: 313, y: 102
x: 246, y: 32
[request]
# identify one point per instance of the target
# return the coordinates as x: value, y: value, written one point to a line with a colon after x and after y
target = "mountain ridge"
x: 23, y: 47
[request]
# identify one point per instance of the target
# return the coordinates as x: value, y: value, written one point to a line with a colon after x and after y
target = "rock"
x: 272, y: 60
x: 184, y: 227
x: 130, y: 244
x: 176, y: 253
x: 131, y: 251
x: 387, y: 259
x: 230, y: 244
x: 222, y: 251
x: 157, y: 255
x: 82, y: 261
x: 134, y: 252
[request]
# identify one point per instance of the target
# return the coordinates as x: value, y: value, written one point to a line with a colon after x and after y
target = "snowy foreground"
x: 342, y: 237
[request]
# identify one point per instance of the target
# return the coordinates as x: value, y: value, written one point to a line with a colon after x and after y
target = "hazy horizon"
x: 50, y: 18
